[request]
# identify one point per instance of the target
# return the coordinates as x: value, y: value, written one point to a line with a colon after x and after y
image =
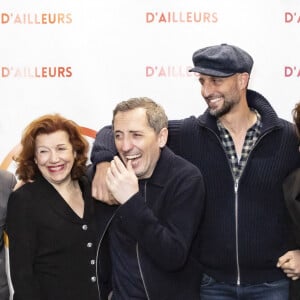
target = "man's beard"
x: 226, y: 108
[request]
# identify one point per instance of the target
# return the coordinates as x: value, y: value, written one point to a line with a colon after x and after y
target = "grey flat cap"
x: 221, y: 61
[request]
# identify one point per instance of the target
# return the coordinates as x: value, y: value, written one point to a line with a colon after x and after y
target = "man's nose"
x: 126, y: 144
x: 206, y: 89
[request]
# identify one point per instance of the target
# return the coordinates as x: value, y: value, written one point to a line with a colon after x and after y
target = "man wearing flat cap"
x: 244, y: 151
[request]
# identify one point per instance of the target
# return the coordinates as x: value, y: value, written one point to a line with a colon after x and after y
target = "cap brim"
x: 211, y: 72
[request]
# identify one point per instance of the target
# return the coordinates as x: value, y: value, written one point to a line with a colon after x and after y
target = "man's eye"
x: 217, y: 80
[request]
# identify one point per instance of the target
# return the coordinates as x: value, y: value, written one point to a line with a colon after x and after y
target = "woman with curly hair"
x: 50, y: 219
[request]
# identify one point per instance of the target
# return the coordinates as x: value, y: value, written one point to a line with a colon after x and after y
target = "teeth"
x: 215, y: 100
x: 130, y: 157
x: 55, y: 168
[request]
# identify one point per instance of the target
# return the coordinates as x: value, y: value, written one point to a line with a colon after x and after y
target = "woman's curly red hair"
x: 46, y: 124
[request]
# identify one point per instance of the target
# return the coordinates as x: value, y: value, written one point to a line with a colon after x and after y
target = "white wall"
x: 108, y: 51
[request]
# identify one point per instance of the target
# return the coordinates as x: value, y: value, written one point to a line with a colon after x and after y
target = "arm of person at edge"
x: 103, y: 152
x: 290, y: 264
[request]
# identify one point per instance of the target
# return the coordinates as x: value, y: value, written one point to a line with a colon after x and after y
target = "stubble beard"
x: 226, y: 108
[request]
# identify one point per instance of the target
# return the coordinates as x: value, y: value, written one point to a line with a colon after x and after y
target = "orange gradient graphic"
x: 9, y: 157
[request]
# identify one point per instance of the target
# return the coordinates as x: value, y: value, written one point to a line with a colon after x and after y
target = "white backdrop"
x: 79, y: 58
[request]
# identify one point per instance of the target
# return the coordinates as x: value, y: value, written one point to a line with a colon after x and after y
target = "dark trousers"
x: 295, y: 290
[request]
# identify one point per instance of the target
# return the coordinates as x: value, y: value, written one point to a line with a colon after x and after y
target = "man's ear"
x: 163, y: 137
x: 244, y: 80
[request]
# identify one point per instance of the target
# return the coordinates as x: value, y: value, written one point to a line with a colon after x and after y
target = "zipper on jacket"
x: 138, y: 255
x: 141, y: 272
x: 236, y: 198
x: 236, y: 186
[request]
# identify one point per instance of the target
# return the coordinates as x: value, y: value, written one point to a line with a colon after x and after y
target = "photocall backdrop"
x: 81, y: 57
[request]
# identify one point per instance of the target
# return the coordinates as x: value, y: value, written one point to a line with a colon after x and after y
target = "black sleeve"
x: 22, y: 247
x: 104, y: 146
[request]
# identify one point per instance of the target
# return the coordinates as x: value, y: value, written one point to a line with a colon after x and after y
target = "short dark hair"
x: 156, y: 116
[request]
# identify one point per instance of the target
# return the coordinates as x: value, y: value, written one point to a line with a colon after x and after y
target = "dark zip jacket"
x: 245, y: 228
x: 163, y: 222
